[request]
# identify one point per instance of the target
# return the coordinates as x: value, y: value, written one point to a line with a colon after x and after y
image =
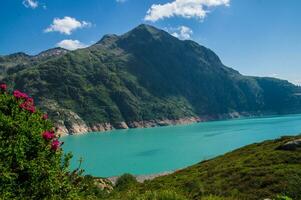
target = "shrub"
x: 218, y: 198
x: 194, y: 189
x: 162, y: 195
x: 148, y: 195
x: 280, y: 197
x: 294, y: 186
x: 32, y: 164
x: 125, y: 182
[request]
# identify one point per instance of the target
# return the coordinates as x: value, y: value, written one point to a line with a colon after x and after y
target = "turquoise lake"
x: 161, y: 149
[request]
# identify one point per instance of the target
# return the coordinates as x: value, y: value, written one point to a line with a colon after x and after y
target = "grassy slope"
x: 256, y: 171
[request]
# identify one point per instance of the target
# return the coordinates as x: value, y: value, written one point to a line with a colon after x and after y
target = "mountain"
x: 143, y: 78
x: 23, y: 58
x: 19, y: 60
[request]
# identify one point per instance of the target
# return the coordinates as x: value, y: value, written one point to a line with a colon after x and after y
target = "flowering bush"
x: 48, y: 135
x: 32, y: 164
x: 3, y: 87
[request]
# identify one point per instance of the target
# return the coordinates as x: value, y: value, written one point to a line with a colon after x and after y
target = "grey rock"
x: 291, y: 145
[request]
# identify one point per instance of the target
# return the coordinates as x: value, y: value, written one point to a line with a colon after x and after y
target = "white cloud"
x: 66, y: 25
x: 296, y: 82
x: 71, y: 44
x: 275, y: 75
x: 183, y: 8
x: 31, y: 4
x: 182, y: 32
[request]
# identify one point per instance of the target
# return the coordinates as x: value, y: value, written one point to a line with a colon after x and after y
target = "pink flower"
x: 31, y: 109
x: 30, y: 100
x: 55, y: 145
x: 23, y: 105
x: 3, y: 87
x: 20, y: 95
x: 28, y: 105
x: 48, y: 135
x: 45, y: 116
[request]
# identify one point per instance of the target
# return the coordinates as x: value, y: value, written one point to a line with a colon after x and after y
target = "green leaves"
x: 29, y: 168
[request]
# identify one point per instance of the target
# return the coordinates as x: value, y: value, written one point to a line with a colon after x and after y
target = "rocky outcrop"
x: 291, y: 145
x: 104, y: 184
x: 102, y: 127
x: 51, y: 53
x: 164, y: 122
x: 121, y: 125
x: 74, y: 125
x: 80, y: 127
x: 140, y: 178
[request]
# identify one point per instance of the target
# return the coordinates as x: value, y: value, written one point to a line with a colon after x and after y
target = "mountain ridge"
x: 145, y: 77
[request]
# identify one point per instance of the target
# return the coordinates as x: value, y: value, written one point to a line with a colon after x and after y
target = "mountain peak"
x: 145, y: 32
x: 108, y: 39
x: 19, y: 54
x: 52, y: 52
x: 146, y: 28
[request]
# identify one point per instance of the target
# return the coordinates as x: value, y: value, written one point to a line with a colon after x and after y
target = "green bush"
x: 125, y: 181
x: 293, y: 189
x: 131, y: 194
x: 283, y: 198
x: 32, y: 164
x: 162, y: 195
x: 211, y: 197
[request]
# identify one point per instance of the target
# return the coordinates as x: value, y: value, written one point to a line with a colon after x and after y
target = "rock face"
x: 102, y: 127
x: 164, y: 122
x: 78, y: 126
x: 291, y: 145
x: 140, y: 178
x: 51, y: 53
x: 104, y: 184
x: 121, y: 125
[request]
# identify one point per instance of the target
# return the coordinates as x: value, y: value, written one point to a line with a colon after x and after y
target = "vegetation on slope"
x: 32, y: 163
x: 145, y: 74
x: 257, y: 171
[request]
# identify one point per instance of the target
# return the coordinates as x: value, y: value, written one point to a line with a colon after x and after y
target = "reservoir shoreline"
x: 142, y: 178
x: 81, y: 128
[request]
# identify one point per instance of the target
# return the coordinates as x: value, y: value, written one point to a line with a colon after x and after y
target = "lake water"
x: 161, y: 149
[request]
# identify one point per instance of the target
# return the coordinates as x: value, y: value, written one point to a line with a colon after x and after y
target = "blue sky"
x: 256, y: 37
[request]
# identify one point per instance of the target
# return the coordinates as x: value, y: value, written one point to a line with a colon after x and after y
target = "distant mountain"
x: 58, y: 51
x: 20, y: 60
x: 143, y: 78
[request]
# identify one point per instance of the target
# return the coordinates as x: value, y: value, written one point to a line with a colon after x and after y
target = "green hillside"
x: 143, y: 75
